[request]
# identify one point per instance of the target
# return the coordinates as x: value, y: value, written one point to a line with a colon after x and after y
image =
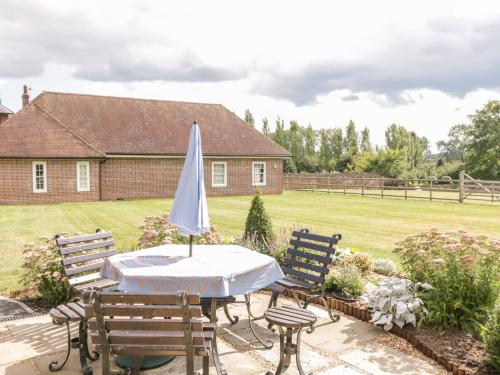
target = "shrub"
x: 346, y: 280
x: 490, y: 333
x: 158, y: 231
x: 43, y: 270
x: 395, y: 301
x: 463, y: 270
x: 384, y: 267
x: 258, y: 224
x: 361, y: 261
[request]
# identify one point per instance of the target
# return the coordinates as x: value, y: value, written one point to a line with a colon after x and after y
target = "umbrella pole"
x: 190, y: 245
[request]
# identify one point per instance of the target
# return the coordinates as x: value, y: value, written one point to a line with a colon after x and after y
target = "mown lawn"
x: 371, y: 224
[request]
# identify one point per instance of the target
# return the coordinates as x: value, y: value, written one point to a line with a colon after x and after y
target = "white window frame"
x: 225, y: 173
x: 253, y: 174
x: 78, y: 186
x: 34, y: 164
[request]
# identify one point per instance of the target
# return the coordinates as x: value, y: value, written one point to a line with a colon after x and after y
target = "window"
x: 258, y: 173
x: 39, y: 177
x: 83, y: 176
x: 219, y: 173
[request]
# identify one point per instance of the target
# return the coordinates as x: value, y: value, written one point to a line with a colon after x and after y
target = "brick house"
x: 70, y: 147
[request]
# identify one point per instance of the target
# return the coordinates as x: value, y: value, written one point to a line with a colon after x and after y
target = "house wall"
x: 16, y: 182
x: 158, y: 178
x: 127, y: 179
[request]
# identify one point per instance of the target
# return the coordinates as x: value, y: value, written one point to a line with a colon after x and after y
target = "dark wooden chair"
x: 82, y: 258
x: 306, y: 266
x: 148, y: 324
x: 289, y: 320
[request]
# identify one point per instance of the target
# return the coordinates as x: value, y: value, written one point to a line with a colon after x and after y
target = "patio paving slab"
x: 11, y: 309
x: 378, y: 359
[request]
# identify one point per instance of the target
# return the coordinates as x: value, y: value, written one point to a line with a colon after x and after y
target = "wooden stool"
x: 294, y: 320
x: 73, y: 312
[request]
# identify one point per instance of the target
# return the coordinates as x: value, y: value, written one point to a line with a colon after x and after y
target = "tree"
x: 454, y: 147
x: 310, y: 142
x: 249, y: 117
x: 295, y: 138
x: 482, y: 152
x: 326, y: 161
x: 265, y: 127
x: 351, y: 139
x: 336, y: 143
x: 365, y: 140
x: 258, y: 226
x: 280, y: 136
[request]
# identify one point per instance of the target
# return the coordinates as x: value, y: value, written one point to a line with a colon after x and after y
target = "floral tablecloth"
x: 212, y: 271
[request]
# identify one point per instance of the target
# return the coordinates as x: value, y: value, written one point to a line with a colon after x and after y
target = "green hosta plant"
x: 395, y: 301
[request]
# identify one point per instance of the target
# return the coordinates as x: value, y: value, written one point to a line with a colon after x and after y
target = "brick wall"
x: 16, y: 182
x: 127, y: 179
x: 158, y: 178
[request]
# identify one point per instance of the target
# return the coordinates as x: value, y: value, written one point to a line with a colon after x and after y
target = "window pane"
x: 219, y: 174
x: 39, y: 177
x: 83, y: 176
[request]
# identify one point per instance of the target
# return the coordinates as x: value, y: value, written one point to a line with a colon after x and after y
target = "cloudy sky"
x: 424, y: 64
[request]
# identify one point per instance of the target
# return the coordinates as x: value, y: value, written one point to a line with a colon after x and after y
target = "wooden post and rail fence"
x: 464, y: 189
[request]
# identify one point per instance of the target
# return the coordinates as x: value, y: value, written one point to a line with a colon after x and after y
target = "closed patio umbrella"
x: 189, y: 211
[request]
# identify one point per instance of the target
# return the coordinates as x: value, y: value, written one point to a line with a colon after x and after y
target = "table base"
x: 148, y: 363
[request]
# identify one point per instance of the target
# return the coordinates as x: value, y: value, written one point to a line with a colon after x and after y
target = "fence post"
x: 328, y: 184
x: 430, y: 191
x: 363, y: 186
x: 406, y: 188
x: 345, y: 183
x: 382, y: 190
x: 461, y: 187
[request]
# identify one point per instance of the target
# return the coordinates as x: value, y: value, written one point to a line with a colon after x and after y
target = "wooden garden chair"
x: 149, y: 324
x: 306, y: 266
x: 82, y: 258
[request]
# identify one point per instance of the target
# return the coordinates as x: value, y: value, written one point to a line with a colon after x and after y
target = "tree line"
x: 474, y: 147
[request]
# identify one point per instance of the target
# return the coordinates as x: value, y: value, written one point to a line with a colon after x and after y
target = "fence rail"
x: 465, y: 188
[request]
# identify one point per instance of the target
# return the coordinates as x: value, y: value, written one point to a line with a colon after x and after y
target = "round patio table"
x: 214, y: 271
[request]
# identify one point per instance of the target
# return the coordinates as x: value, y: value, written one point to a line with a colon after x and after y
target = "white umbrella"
x: 189, y: 211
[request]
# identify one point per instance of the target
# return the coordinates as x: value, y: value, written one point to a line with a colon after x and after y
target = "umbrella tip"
x: 195, y: 123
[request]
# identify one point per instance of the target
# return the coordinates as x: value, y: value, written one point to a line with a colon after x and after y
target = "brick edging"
x: 407, y: 333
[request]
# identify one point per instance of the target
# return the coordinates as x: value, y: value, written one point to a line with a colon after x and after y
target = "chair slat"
x: 91, y: 277
x: 83, y: 238
x: 311, y: 256
x: 303, y: 275
x: 313, y: 246
x: 87, y: 257
x: 152, y: 337
x: 146, y: 298
x: 87, y: 247
x: 316, y: 237
x: 101, y: 283
x: 155, y: 350
x: 308, y: 266
x: 144, y: 310
x: 147, y: 324
x: 291, y: 282
x: 85, y: 268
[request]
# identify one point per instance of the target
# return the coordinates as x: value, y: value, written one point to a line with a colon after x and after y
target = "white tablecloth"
x: 212, y: 271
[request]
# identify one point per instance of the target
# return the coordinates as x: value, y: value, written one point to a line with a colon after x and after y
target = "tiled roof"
x: 4, y: 109
x: 126, y: 126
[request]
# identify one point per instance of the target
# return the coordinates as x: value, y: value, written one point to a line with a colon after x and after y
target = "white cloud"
x: 425, y: 64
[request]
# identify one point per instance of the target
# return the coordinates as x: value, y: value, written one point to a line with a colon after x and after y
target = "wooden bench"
x: 293, y: 320
x: 82, y: 258
x: 306, y: 266
x: 149, y: 324
x: 65, y: 314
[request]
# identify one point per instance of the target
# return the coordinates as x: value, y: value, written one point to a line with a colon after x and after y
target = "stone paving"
x: 10, y: 309
x: 347, y: 347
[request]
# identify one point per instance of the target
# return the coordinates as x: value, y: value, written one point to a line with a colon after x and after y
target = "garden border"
x: 407, y: 333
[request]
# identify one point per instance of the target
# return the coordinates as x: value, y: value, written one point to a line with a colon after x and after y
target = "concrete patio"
x: 349, y: 347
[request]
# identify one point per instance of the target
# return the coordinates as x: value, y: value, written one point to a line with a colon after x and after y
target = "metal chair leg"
x: 269, y: 343
x: 215, y: 351
x: 53, y: 366
x: 297, y: 353
x: 83, y: 348
x: 281, y: 363
x: 205, y: 366
x: 232, y: 319
x: 333, y: 317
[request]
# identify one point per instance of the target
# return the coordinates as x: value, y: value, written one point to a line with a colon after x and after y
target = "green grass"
x: 370, y: 224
